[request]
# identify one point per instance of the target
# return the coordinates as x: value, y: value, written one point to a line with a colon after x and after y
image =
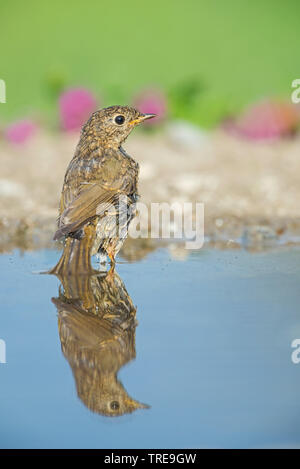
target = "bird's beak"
x: 142, y: 118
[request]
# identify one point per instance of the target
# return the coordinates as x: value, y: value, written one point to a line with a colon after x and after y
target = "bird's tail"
x: 76, y: 256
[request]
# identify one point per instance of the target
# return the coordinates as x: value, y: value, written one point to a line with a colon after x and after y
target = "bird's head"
x: 112, y: 125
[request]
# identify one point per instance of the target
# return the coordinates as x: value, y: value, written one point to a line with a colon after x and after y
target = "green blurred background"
x: 210, y: 57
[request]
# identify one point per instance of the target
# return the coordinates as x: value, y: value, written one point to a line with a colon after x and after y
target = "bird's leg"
x: 111, y: 254
x: 112, y: 259
x: 111, y: 273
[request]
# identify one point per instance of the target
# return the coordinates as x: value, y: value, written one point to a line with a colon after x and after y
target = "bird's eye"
x: 114, y: 405
x: 119, y: 120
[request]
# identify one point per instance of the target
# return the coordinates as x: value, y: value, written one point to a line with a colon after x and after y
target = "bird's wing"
x: 92, y: 200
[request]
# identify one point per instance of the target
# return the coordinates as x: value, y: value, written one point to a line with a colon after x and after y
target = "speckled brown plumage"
x: 99, y: 190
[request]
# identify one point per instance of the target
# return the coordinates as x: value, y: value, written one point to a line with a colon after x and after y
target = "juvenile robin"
x: 99, y: 190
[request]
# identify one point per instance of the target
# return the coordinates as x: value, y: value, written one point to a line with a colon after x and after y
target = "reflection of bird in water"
x: 100, y: 190
x: 96, y: 322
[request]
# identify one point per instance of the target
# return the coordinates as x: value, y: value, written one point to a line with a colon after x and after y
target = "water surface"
x: 206, y: 348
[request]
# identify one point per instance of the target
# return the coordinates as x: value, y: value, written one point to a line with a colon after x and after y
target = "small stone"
x: 186, y: 134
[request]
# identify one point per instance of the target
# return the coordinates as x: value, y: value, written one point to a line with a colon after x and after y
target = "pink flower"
x: 75, y: 106
x: 152, y: 101
x: 20, y: 131
x: 266, y: 120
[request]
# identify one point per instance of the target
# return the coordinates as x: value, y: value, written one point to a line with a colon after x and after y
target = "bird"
x: 99, y: 193
x: 97, y: 323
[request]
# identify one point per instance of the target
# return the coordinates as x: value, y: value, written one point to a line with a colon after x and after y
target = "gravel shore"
x: 250, y: 190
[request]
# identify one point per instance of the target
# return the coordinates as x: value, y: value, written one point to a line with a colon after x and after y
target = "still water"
x: 163, y: 354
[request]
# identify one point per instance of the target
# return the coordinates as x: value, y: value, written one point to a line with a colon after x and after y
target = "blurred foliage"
x: 54, y: 83
x: 185, y: 94
x: 192, y: 100
x: 210, y: 58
